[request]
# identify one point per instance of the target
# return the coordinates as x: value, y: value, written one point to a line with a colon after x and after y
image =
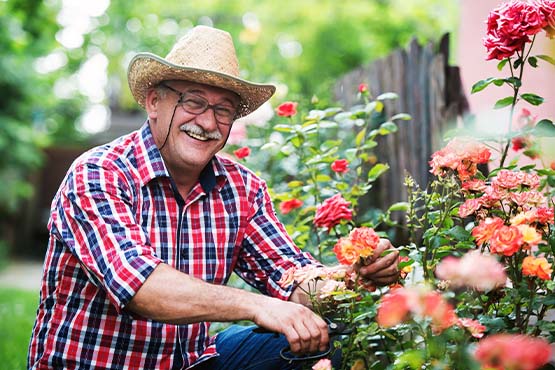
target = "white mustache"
x: 197, y: 130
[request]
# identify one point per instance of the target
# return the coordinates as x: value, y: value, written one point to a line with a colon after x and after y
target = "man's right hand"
x: 305, y: 331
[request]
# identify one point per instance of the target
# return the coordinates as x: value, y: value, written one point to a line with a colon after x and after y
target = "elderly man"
x: 145, y: 232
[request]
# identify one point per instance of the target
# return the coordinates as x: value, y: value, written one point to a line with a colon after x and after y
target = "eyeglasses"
x: 196, y: 104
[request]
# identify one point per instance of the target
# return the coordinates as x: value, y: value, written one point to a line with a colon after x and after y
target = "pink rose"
x: 513, y: 351
x: 469, y: 207
x: 475, y: 270
x: 473, y: 326
x: 323, y: 364
x: 362, y: 88
x: 332, y: 211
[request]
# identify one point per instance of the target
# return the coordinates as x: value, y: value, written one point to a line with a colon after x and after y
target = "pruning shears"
x: 335, y: 329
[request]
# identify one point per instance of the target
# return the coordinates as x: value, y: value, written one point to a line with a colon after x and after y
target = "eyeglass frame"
x: 207, y: 106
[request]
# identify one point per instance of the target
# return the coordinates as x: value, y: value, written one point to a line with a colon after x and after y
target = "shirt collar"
x: 149, y: 160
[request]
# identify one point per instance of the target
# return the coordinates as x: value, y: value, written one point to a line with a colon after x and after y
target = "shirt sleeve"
x: 94, y: 218
x: 268, y: 250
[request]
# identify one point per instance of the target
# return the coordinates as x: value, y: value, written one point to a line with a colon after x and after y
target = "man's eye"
x: 194, y: 103
x: 224, y: 112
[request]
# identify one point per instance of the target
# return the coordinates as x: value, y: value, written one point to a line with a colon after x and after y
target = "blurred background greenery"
x: 63, y: 80
x: 63, y: 67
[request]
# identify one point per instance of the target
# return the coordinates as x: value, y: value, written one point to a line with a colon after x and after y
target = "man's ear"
x: 151, y: 104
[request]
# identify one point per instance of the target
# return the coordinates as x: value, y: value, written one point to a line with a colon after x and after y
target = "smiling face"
x: 188, y: 141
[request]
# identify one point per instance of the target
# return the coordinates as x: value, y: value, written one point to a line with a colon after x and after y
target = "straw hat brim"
x: 147, y: 70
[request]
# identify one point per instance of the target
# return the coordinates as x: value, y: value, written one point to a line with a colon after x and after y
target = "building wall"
x: 471, y: 56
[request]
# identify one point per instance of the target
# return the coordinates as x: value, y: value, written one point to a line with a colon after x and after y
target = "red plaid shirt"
x: 115, y: 217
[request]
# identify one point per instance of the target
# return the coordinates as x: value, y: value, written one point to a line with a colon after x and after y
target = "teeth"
x: 195, y: 136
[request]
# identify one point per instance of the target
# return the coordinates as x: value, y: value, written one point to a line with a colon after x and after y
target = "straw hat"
x: 204, y: 55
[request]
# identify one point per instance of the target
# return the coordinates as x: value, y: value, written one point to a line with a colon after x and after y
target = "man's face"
x: 197, y: 132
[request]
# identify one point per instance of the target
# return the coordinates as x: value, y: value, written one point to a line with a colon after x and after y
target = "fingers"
x: 383, y: 270
x: 383, y: 246
x: 308, y: 336
x: 305, y: 331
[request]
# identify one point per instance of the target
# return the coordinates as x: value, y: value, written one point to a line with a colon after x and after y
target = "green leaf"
x: 502, y: 63
x: 296, y: 141
x: 387, y: 128
x: 545, y: 128
x: 322, y: 178
x: 547, y: 58
x: 517, y: 63
x: 532, y: 98
x: 528, y: 167
x: 501, y: 103
x: 295, y: 184
x: 458, y: 233
x: 515, y: 81
x: 327, y: 124
x: 533, y: 61
x: 360, y: 136
x: 401, y: 116
x: 283, y: 128
x: 482, y: 84
x: 387, y: 96
x: 399, y: 206
x: 377, y: 171
x: 413, y: 359
x: 269, y: 146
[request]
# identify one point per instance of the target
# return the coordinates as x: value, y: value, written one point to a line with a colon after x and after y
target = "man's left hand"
x: 382, y: 268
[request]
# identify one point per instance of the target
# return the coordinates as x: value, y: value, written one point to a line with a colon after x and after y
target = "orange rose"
x: 366, y: 239
x: 485, y: 229
x: 347, y: 253
x: 538, y: 267
x: 506, y: 240
x: 394, y: 308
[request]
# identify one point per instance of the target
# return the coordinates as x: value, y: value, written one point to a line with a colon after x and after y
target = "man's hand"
x: 382, y: 268
x: 305, y: 331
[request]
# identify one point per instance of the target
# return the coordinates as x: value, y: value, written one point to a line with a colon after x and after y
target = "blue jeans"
x: 242, y: 349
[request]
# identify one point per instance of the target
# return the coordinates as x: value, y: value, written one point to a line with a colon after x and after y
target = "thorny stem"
x: 516, y: 89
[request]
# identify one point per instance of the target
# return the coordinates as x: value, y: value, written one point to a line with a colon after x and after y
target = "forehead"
x: 206, y: 90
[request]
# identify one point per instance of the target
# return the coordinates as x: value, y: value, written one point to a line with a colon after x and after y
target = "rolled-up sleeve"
x: 267, y: 250
x: 94, y: 218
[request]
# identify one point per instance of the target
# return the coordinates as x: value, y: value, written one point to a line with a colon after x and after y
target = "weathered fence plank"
x: 430, y: 91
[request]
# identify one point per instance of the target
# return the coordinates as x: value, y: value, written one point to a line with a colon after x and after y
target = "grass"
x: 17, y: 315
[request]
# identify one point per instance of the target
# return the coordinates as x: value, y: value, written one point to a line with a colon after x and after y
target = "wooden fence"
x: 430, y: 90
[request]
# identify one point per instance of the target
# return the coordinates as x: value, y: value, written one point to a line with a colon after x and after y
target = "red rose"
x: 332, y: 211
x: 340, y: 166
x: 519, y: 143
x: 362, y: 88
x: 289, y: 205
x: 510, y: 27
x: 242, y: 152
x: 287, y: 109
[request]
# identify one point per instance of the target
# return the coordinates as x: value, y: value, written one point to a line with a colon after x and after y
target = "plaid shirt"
x: 117, y: 216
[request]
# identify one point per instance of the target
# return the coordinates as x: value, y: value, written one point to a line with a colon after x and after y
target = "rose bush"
x: 479, y: 290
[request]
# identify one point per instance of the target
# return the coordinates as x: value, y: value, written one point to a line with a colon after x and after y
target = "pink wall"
x: 471, y: 56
